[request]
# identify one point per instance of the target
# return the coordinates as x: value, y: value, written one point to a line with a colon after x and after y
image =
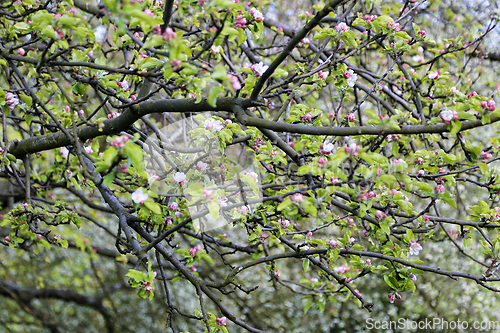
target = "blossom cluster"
x: 489, y: 105
x: 448, y: 115
x: 11, y: 100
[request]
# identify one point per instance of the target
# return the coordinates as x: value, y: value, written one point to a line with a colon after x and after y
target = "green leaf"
x: 134, y: 152
x: 136, y: 275
x: 195, y: 189
x: 108, y: 179
x: 212, y: 96
x: 305, y: 264
x: 78, y: 89
x: 153, y: 206
x: 26, y: 99
x: 391, y: 282
x: 308, y: 306
x: 456, y: 125
x: 483, y: 167
x: 285, y: 204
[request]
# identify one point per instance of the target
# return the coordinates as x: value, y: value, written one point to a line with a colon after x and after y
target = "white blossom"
x: 64, y: 152
x: 139, y: 196
x: 351, y: 77
x: 433, y: 75
x: 216, y: 125
x: 179, y: 177
x: 328, y: 148
x: 201, y: 165
x: 415, y: 248
x: 260, y: 68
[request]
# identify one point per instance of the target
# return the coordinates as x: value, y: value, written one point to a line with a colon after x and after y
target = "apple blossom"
x: 64, y: 152
x: 448, y: 115
x: 259, y: 68
x: 202, y: 166
x: 212, y: 124
x: 351, y: 77
x: 221, y: 321
x: 257, y: 15
x: 328, y: 148
x: 489, y: 105
x: 297, y: 198
x: 139, y: 196
x: 284, y: 223
x: 323, y: 75
x: 433, y: 75
x: 235, y: 83
x: 342, y: 27
x: 215, y: 49
x: 486, y: 155
x: 179, y: 177
x: 241, y: 22
x: 415, y: 248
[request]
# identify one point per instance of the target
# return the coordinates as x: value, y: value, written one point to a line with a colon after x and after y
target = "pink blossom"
x: 323, y: 75
x: 120, y: 141
x: 221, y: 321
x: 342, y: 27
x: 234, y: 82
x: 64, y: 152
x: 489, y: 105
x: 448, y: 115
x: 439, y: 188
x: 176, y: 64
x: 307, y: 117
x: 472, y: 94
x: 284, y: 223
x: 422, y: 33
x: 412, y: 277
x: 11, y: 100
x: 194, y: 249
x: 241, y: 22
x: 179, y: 177
x: 351, y: 117
x: 394, y: 26
x: 257, y: 15
x: 333, y: 243
x: 124, y: 85
x: 353, y: 149
x: 419, y: 160
x: 486, y: 155
x: 20, y: 51
x: 369, y: 18
x: 297, y: 198
x: 306, y: 41
x: 351, y: 77
x: 169, y: 34
x: 391, y: 298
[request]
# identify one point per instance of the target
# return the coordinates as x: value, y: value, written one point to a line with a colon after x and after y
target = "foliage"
x: 172, y: 157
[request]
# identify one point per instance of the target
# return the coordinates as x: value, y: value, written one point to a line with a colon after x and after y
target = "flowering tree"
x: 341, y: 140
